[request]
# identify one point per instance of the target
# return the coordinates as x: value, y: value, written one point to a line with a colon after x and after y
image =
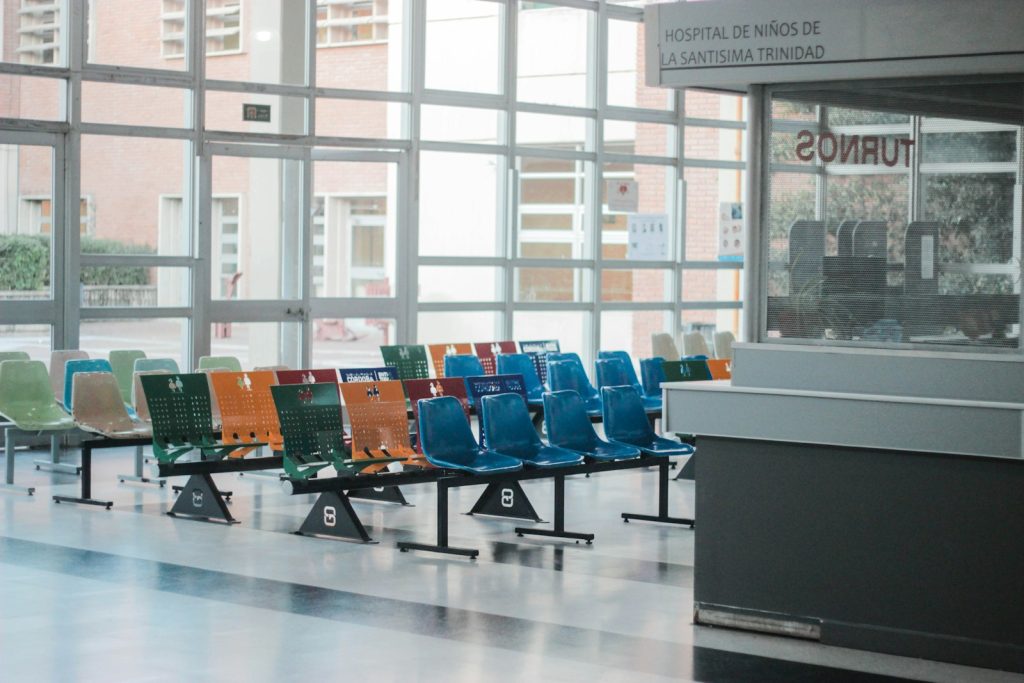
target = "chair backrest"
x: 314, y: 376
x: 378, y: 416
x: 419, y: 389
x: 540, y: 366
x: 58, y: 363
x: 229, y: 363
x: 567, y: 422
x: 247, y: 409
x: 720, y: 368
x: 663, y: 345
x: 81, y: 365
x: 444, y: 432
x: 521, y: 364
x: 652, y: 372
x: 151, y: 364
x: 624, y: 417
x: 611, y: 372
x: 439, y: 351
x: 310, y: 418
x: 694, y: 344
x: 487, y: 351
x: 507, y: 425
x: 123, y: 363
x: 625, y: 358
x: 463, y: 365
x: 542, y: 347
x: 13, y: 355
x: 410, y: 360
x: 568, y: 375
x: 686, y: 370
x: 478, y: 387
x: 97, y: 403
x: 139, y: 396
x: 24, y: 389
x: 179, y: 406
x: 568, y: 355
x: 381, y: 374
x: 723, y: 344
x: 275, y: 368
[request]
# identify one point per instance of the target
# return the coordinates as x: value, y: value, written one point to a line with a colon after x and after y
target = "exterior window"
x: 39, y: 32
x: 349, y: 234
x: 319, y: 244
x: 228, y: 241
x: 223, y: 27
x: 37, y: 216
x: 348, y: 22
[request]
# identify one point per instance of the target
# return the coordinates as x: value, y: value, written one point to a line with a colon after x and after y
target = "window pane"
x: 708, y: 105
x: 32, y: 339
x: 570, y: 328
x: 257, y: 344
x: 656, y: 192
x: 460, y: 124
x: 149, y: 35
x: 227, y: 111
x: 631, y: 137
x: 354, y: 229
x: 27, y: 97
x: 458, y: 326
x: 350, y: 342
x: 644, y: 285
x: 459, y: 204
x: 455, y: 29
x: 132, y: 195
x: 158, y: 337
x: 552, y: 208
x: 631, y: 331
x: 707, y: 189
x: 712, y: 285
x: 460, y: 283
x: 35, y: 32
x: 553, y: 54
x: 134, y: 105
x: 361, y: 45
x: 710, y: 323
x: 553, y: 284
x: 28, y: 225
x: 261, y: 41
x: 725, y: 144
x: 626, y: 63
x: 360, y: 118
x: 134, y: 286
x: 551, y: 131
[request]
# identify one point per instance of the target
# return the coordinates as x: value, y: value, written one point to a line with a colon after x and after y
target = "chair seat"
x: 45, y: 419
x: 549, y: 456
x: 482, y: 462
x: 605, y: 450
x: 664, y: 447
x: 139, y: 431
x: 652, y: 403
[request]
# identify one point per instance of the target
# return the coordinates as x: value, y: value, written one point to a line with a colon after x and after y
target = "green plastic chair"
x: 229, y: 363
x: 409, y: 360
x: 27, y: 400
x: 179, y: 406
x: 686, y: 371
x: 123, y: 363
x: 13, y: 355
x: 153, y: 364
x: 314, y: 437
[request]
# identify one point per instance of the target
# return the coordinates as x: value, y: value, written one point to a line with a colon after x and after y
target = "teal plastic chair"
x: 569, y: 427
x: 613, y: 372
x: 156, y: 365
x: 83, y: 365
x: 625, y: 421
x: 463, y: 365
x: 229, y: 363
x: 522, y: 364
x: 123, y: 363
x: 568, y: 375
x: 510, y: 432
x: 447, y: 441
x: 652, y: 372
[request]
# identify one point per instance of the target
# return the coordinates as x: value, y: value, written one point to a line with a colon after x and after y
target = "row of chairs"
x: 418, y: 361
x: 694, y: 345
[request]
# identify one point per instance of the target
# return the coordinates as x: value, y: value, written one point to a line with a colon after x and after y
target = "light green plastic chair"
x: 13, y: 355
x: 229, y: 363
x: 163, y: 364
x: 123, y: 363
x: 27, y: 400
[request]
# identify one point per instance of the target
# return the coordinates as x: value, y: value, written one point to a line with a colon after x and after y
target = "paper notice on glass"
x: 623, y: 195
x: 648, y: 237
x: 927, y: 257
x: 730, y: 231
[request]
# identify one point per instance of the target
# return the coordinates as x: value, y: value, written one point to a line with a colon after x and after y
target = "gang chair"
x: 569, y: 427
x: 447, y: 440
x: 626, y: 422
x: 510, y: 432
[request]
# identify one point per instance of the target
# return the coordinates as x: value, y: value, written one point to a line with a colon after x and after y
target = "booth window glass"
x: 894, y: 215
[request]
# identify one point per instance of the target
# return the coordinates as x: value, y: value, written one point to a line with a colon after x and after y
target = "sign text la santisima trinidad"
x: 730, y: 45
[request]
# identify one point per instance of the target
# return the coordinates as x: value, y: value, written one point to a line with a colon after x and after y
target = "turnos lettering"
x: 852, y: 149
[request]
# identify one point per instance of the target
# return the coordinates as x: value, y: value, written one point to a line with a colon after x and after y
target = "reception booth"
x: 859, y: 480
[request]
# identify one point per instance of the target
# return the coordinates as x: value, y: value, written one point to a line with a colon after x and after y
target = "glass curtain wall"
x: 423, y: 169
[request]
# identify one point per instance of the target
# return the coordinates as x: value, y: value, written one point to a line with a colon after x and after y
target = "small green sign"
x: 256, y: 112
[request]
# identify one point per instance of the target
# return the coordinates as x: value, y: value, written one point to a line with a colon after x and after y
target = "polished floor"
x: 130, y: 594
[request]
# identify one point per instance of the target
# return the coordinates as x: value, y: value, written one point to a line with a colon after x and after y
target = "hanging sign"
x: 648, y: 237
x: 623, y: 195
x: 256, y: 112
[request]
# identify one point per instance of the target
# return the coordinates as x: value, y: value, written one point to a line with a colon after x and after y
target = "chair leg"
x: 54, y: 464
x: 442, y: 531
x: 8, y: 485
x: 86, y: 497
x: 139, y: 476
x: 662, y: 516
x: 559, y: 530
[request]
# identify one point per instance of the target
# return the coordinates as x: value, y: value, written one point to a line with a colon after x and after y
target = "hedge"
x: 25, y: 263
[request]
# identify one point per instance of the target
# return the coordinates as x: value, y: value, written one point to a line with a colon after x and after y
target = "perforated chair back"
x: 81, y: 365
x: 488, y: 351
x: 13, y: 355
x: 179, y: 407
x: 568, y: 375
x: 247, y: 410
x: 522, y: 364
x: 686, y: 371
x: 627, y: 362
x: 26, y: 397
x: 624, y: 416
x: 151, y: 364
x: 652, y: 371
x: 694, y: 344
x: 99, y: 407
x: 507, y: 426
x: 419, y: 389
x: 139, y: 396
x: 723, y: 344
x: 381, y: 374
x: 543, y: 346
x: 464, y: 365
x: 310, y: 419
x: 311, y: 376
x: 123, y: 363
x: 439, y: 351
x: 409, y: 360
x: 720, y: 368
x: 58, y: 364
x: 380, y: 424
x: 229, y: 363
x: 664, y: 346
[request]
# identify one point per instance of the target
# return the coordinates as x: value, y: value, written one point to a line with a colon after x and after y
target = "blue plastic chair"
x: 522, y: 364
x: 699, y: 356
x: 82, y: 365
x: 156, y: 364
x: 568, y: 375
x: 510, y: 432
x: 612, y: 372
x: 624, y: 357
x: 569, y: 356
x: 625, y: 421
x: 447, y: 441
x: 652, y: 371
x: 569, y: 427
x: 463, y: 365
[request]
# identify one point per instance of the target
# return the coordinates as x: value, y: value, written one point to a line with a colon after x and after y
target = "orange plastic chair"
x: 721, y: 368
x: 439, y: 351
x: 247, y: 410
x: 487, y: 351
x: 380, y: 424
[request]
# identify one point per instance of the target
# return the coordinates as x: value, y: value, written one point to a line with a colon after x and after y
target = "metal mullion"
x: 15, y: 69
x: 143, y: 260
x: 294, y: 152
x: 724, y: 124
x: 355, y: 94
x: 578, y: 4
x: 553, y: 306
x: 597, y: 70
x: 794, y: 168
x: 625, y: 264
x: 457, y: 98
x: 67, y: 243
x: 629, y: 306
x: 129, y: 312
x: 715, y: 163
x: 31, y: 311
x: 197, y: 205
x: 712, y: 265
x: 461, y: 306
x: 635, y: 114
x: 360, y: 143
x: 121, y: 130
x: 461, y: 147
x: 408, y: 286
x: 269, y: 139
x: 556, y: 110
x: 279, y: 89
x: 33, y: 126
x: 973, y: 168
x: 494, y: 261
x: 132, y: 75
x: 547, y: 153
x: 48, y: 139
x: 615, y: 158
x: 625, y: 13
x: 711, y: 305
x: 383, y: 156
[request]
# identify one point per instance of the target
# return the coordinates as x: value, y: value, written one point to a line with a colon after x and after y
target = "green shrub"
x: 114, y: 275
x: 24, y: 262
